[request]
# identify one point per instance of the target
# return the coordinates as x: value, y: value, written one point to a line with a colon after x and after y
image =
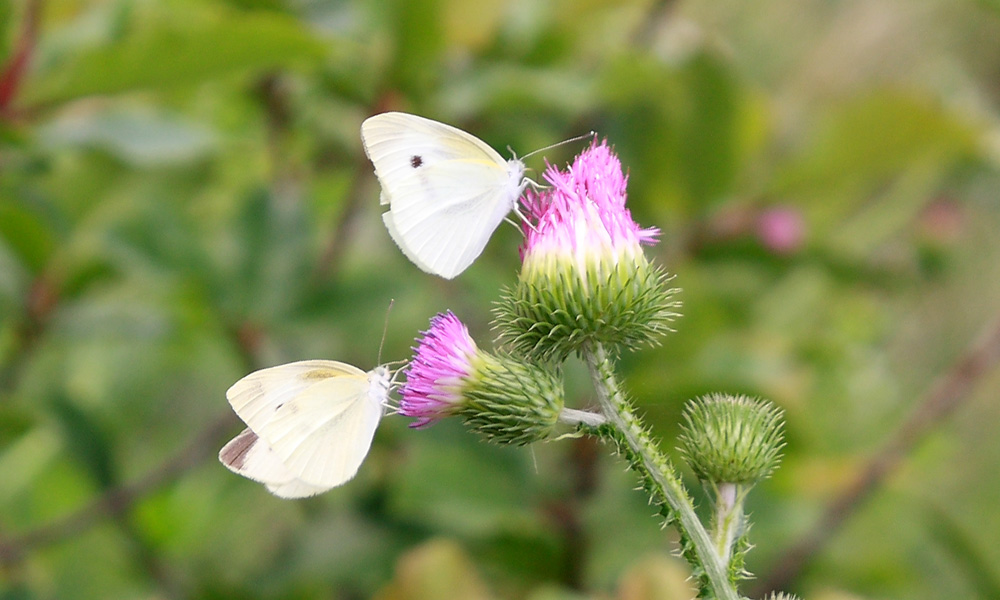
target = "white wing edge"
x: 251, y: 457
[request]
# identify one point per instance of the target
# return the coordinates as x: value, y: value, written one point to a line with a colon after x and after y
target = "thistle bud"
x: 584, y: 277
x: 731, y: 439
x: 500, y: 396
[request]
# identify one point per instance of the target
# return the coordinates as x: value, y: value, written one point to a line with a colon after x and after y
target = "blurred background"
x: 184, y: 199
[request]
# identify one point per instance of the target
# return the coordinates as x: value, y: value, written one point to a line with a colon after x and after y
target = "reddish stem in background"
x: 14, y: 70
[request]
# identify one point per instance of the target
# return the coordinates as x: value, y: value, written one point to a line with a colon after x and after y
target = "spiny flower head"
x: 506, y: 399
x: 443, y: 358
x: 584, y: 276
x: 732, y: 439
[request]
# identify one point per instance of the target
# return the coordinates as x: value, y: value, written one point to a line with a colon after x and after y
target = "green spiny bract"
x: 554, y: 310
x: 511, y: 401
x: 731, y: 439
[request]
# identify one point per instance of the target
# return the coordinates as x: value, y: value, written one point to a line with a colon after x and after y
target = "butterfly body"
x: 310, y: 424
x: 447, y: 190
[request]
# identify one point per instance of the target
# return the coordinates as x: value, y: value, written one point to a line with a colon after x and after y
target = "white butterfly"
x: 446, y: 189
x: 309, y: 424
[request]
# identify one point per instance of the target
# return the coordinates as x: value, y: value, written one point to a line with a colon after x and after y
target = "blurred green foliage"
x: 183, y: 199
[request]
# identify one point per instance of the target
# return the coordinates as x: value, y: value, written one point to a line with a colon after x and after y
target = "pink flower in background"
x: 781, y: 229
x: 435, y: 378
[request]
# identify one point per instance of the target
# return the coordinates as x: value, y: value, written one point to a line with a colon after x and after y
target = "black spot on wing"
x: 416, y: 161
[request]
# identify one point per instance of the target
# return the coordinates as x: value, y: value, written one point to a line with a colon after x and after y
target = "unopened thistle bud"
x: 584, y: 277
x: 503, y: 398
x: 731, y: 439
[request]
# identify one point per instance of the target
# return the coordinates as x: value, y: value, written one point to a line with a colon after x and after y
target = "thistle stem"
x: 651, y: 463
x: 728, y: 518
x: 572, y: 416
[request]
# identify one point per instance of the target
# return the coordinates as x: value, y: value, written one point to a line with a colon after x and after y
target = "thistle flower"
x: 503, y: 398
x: 584, y: 276
x: 436, y: 375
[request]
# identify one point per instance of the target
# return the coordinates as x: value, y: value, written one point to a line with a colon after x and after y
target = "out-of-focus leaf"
x: 551, y: 591
x: 7, y: 28
x: 868, y: 140
x: 86, y: 442
x: 993, y: 5
x: 135, y: 136
x: 164, y: 58
x: 23, y: 458
x: 27, y: 233
x: 978, y: 570
x: 473, y: 24
x: 279, y: 6
x: 689, y: 126
x: 657, y: 578
x: 418, y: 33
x: 517, y: 89
x: 464, y: 487
x: 435, y: 570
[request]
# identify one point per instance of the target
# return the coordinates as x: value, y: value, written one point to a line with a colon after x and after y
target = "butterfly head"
x: 383, y: 380
x: 516, y: 180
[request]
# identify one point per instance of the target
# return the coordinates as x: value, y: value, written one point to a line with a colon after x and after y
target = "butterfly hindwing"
x: 325, y: 433
x: 250, y: 457
x: 441, y: 224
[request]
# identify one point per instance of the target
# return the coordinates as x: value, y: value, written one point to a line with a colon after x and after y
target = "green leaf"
x: 138, y: 137
x: 166, y: 57
x: 27, y: 233
x: 86, y: 441
x: 686, y: 130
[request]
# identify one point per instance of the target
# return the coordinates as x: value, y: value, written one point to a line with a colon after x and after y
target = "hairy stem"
x: 571, y: 416
x: 696, y: 545
x: 728, y: 518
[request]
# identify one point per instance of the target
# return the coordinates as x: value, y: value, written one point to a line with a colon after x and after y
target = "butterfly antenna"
x: 385, y: 329
x: 592, y: 134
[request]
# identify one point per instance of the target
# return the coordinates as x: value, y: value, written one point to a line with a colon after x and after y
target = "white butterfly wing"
x: 257, y: 396
x: 393, y: 139
x: 314, y: 422
x: 443, y: 218
x: 324, y: 434
x: 250, y: 457
x: 447, y: 190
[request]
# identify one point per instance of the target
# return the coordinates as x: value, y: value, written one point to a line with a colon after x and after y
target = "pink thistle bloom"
x: 583, y: 216
x: 435, y: 378
x: 584, y: 279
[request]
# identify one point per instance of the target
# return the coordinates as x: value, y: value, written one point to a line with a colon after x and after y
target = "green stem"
x: 728, y: 518
x: 659, y: 473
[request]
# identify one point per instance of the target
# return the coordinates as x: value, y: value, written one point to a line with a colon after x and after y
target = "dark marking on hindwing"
x: 416, y: 161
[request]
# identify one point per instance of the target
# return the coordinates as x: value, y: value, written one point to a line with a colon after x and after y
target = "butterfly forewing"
x: 257, y: 396
x: 324, y: 434
x: 447, y: 190
x: 394, y: 141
